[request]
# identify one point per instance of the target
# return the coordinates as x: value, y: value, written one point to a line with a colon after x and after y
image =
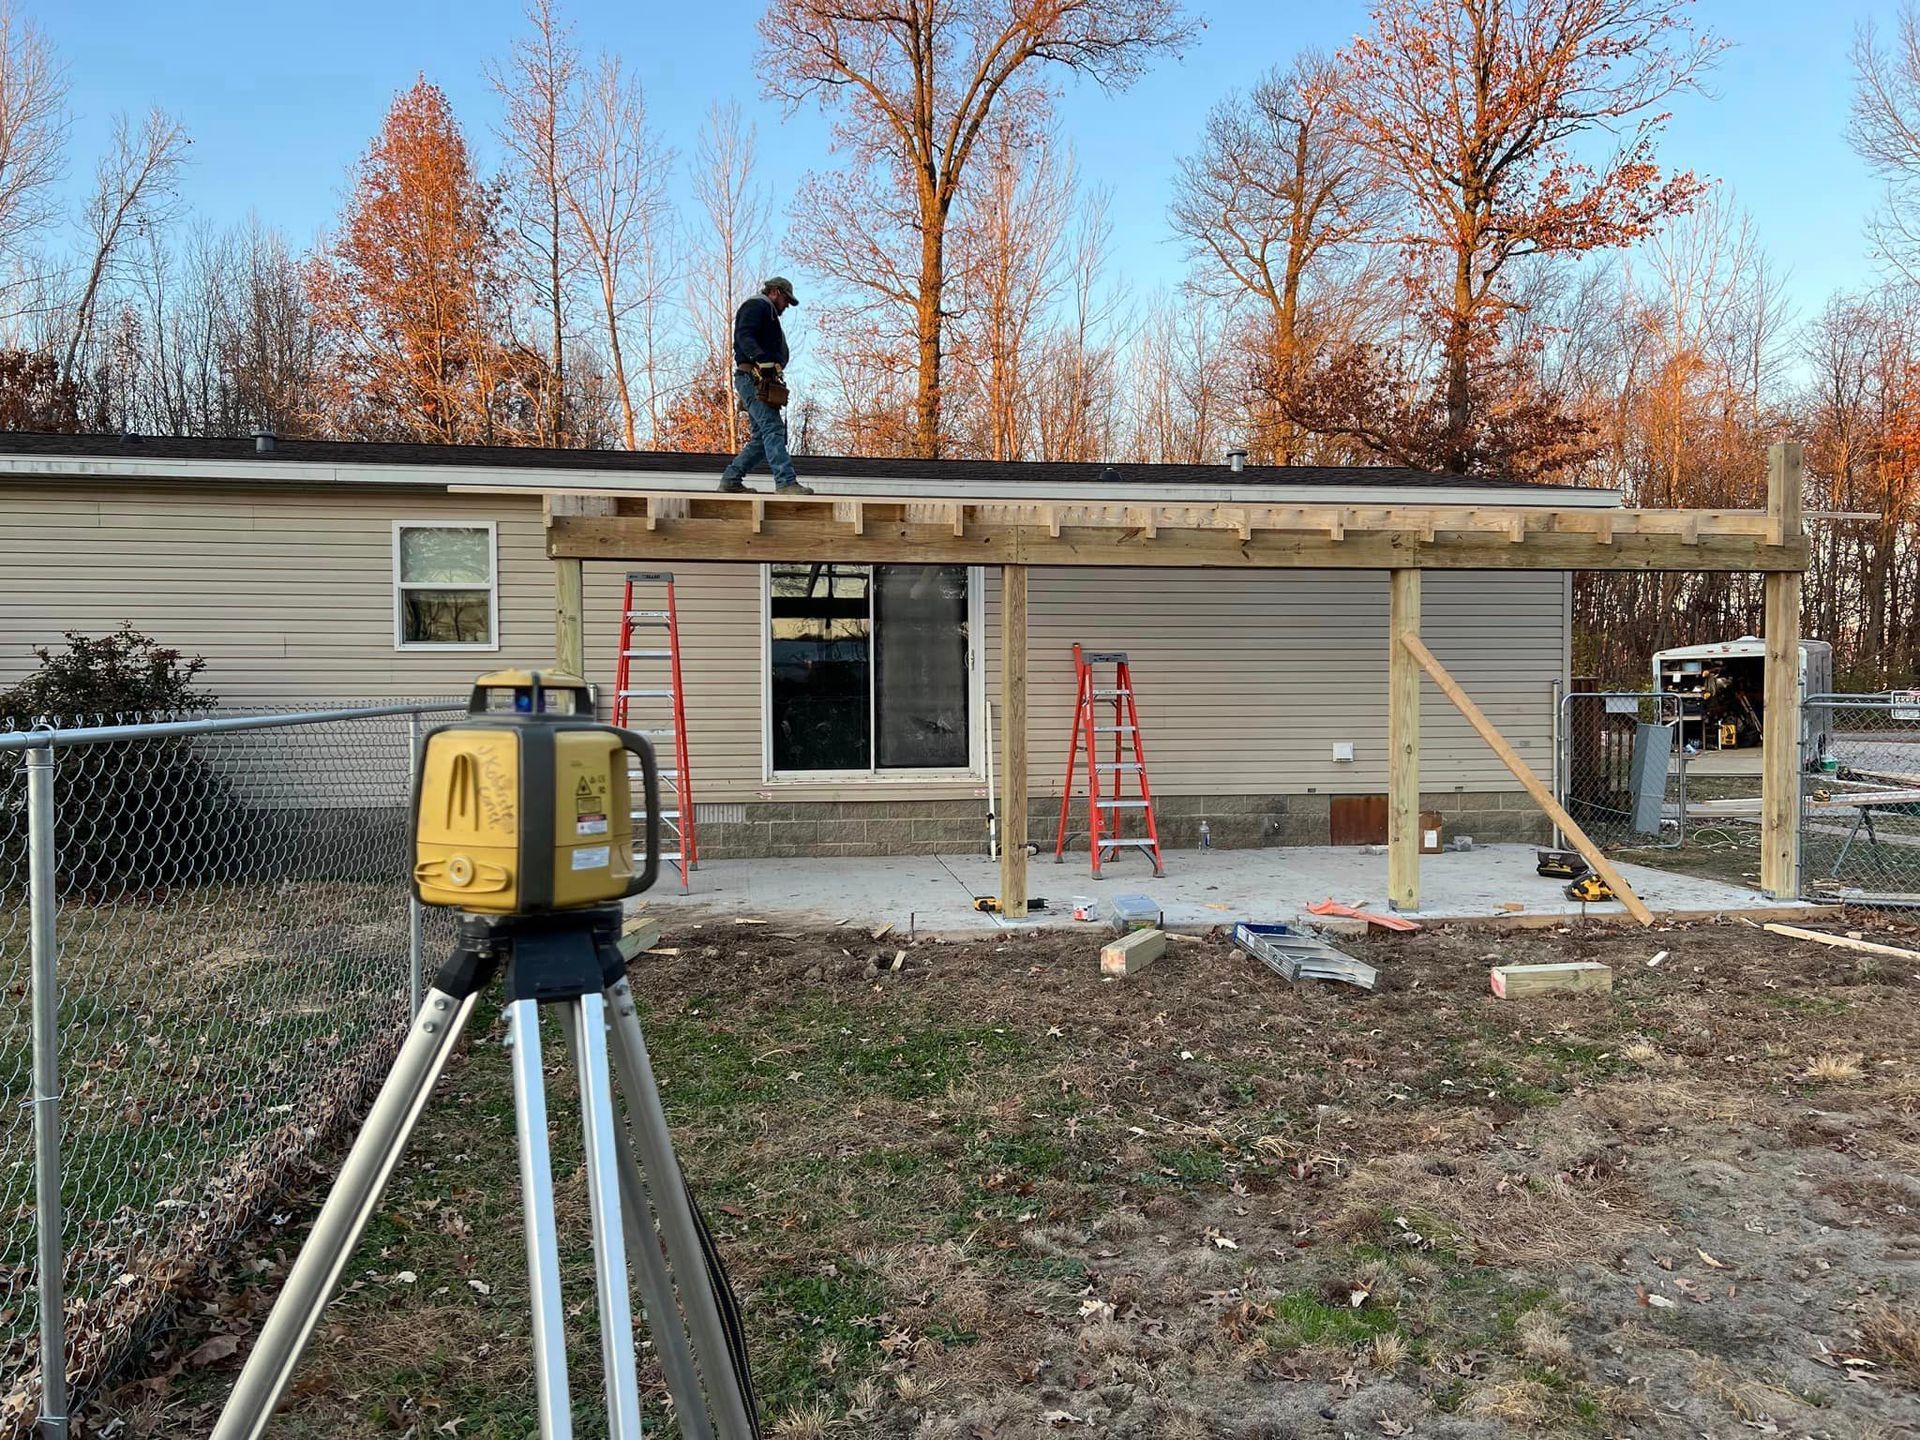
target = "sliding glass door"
x: 870, y: 668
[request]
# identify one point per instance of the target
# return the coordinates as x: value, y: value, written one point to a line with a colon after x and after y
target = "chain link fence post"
x: 416, y: 989
x: 49, y: 1215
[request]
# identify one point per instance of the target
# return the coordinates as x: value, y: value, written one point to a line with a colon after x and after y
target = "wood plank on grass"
x: 1133, y: 952
x: 639, y: 934
x: 1511, y: 982
x: 1844, y: 942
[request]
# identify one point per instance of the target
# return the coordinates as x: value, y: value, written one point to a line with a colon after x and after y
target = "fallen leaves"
x: 213, y: 1350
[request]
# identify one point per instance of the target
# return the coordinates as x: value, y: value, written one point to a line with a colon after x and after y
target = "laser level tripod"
x: 522, y: 822
x: 571, y: 961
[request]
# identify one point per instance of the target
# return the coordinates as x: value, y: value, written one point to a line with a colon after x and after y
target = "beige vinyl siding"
x: 1246, y: 679
x: 288, y: 596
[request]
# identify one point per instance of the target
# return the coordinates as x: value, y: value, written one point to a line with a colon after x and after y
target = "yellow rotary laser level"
x: 523, y: 821
x: 526, y: 808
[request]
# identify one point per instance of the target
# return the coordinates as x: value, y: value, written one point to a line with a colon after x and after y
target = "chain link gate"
x: 1860, y: 798
x: 207, y: 949
x: 1622, y: 767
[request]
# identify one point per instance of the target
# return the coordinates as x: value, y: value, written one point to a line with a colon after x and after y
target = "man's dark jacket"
x: 757, y: 336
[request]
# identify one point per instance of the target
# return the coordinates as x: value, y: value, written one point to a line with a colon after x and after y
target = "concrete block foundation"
x: 784, y: 830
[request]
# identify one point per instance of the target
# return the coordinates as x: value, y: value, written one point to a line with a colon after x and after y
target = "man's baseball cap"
x: 784, y: 286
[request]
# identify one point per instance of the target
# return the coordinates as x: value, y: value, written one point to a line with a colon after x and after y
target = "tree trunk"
x: 557, y: 402
x: 1458, y: 379
x: 926, y: 405
x: 610, y: 299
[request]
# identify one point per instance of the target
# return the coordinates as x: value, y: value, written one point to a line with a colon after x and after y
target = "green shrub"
x: 98, y: 679
x: 130, y: 815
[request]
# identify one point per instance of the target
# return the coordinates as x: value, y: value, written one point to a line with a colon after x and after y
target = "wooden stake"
x: 1013, y: 741
x: 1403, y: 742
x: 1529, y: 781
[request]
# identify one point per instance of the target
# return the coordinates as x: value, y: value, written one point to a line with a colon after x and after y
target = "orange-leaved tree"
x: 915, y: 84
x: 407, y: 297
x: 1515, y: 128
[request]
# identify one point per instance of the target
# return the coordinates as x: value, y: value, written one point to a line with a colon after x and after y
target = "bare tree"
x: 134, y: 192
x: 1277, y: 193
x: 735, y: 219
x: 538, y: 131
x: 33, y: 128
x: 1012, y: 244
x: 616, y: 200
x: 1079, y: 402
x: 267, y: 343
x: 917, y: 84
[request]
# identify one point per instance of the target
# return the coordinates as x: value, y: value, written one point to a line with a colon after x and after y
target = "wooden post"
x: 1013, y: 741
x: 569, y: 634
x: 1780, y: 736
x: 1403, y: 743
x: 569, y: 607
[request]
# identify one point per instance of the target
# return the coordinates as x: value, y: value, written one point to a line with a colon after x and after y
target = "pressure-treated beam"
x: 1403, y: 742
x: 1780, y: 733
x: 1529, y: 781
x: 792, y: 531
x: 1013, y: 741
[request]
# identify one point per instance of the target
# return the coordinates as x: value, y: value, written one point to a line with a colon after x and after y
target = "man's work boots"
x: 739, y: 487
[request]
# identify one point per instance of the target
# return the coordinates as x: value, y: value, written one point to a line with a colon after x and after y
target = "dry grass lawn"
x: 988, y: 1194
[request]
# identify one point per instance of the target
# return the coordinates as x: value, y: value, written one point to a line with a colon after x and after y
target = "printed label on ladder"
x: 593, y: 857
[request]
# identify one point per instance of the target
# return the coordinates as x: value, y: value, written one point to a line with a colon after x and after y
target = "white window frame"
x: 492, y: 587
x: 977, y: 737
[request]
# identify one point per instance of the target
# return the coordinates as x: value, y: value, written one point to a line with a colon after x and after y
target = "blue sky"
x: 281, y: 98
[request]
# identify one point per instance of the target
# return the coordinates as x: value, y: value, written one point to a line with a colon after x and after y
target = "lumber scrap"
x: 1529, y: 781
x: 640, y: 933
x: 1132, y: 952
x: 1512, y: 982
x: 1843, y: 942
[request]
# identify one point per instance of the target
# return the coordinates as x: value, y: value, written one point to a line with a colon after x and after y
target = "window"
x: 446, y: 581
x: 870, y: 667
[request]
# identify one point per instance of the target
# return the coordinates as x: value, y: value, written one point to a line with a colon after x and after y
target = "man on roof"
x: 760, y: 383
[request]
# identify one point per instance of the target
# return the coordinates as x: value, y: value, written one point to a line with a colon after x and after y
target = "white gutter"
x: 541, y: 480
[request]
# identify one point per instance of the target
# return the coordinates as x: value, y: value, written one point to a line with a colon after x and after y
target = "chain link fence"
x: 207, y: 948
x: 1623, y: 767
x: 1860, y: 798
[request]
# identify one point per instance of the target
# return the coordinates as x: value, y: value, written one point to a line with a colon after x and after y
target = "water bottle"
x: 1206, y: 836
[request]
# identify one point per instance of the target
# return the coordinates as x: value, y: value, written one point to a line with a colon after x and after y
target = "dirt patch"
x: 986, y: 1193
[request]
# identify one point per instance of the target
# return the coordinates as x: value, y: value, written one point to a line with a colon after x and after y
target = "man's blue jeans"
x: 768, y: 441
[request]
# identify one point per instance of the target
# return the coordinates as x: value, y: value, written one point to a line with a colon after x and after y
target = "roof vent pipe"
x: 1236, y: 460
x: 264, y: 441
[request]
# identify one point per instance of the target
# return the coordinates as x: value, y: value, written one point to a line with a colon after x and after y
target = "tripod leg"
x: 655, y: 1145
x: 589, y: 1016
x: 656, y: 1286
x: 363, y: 1179
x: 536, y: 1203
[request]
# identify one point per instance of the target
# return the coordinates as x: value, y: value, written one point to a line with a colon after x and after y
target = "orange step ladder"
x: 1107, y: 804
x: 654, y: 705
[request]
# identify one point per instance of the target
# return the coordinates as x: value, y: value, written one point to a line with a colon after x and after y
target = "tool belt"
x: 768, y: 386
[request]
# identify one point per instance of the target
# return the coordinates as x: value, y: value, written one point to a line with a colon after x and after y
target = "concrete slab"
x: 1202, y: 888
